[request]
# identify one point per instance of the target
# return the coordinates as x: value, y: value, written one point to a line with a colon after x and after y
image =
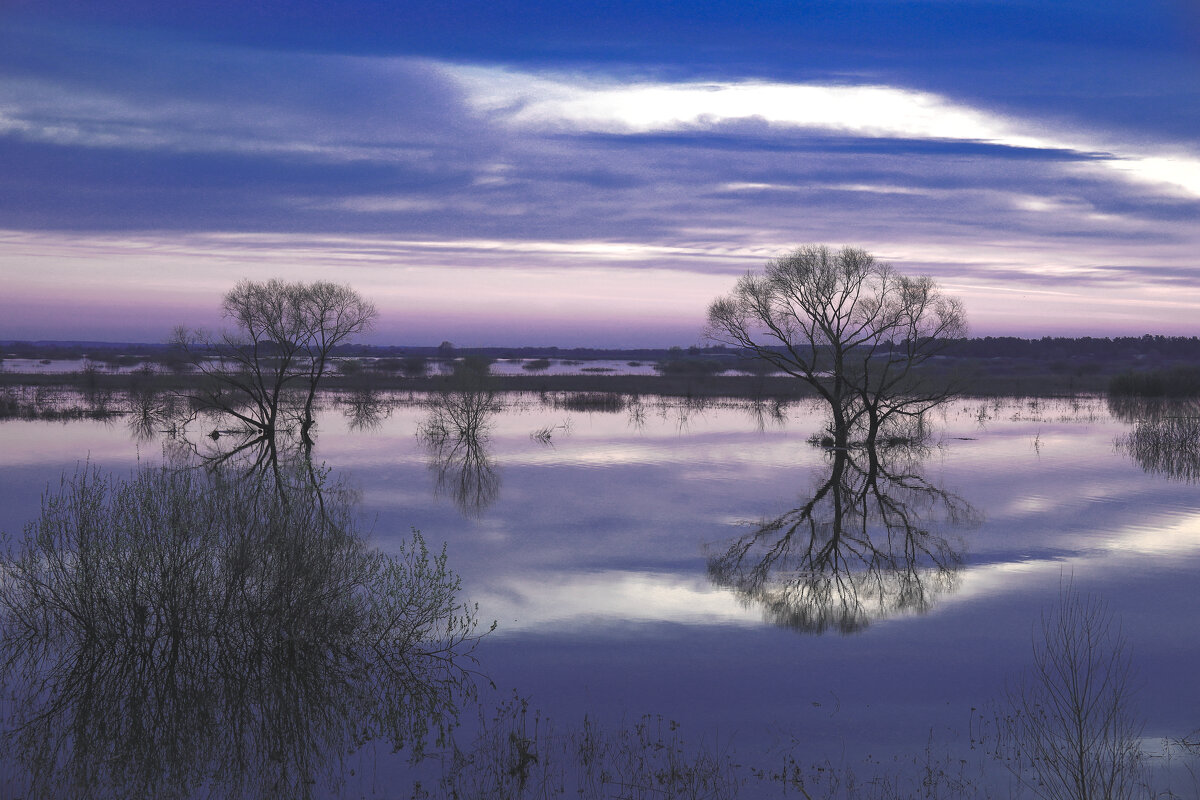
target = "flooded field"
x: 705, y: 562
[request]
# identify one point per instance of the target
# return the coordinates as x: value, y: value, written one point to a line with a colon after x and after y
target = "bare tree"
x: 331, y: 315
x: 915, y: 324
x: 250, y: 366
x: 1071, y: 732
x: 283, y: 338
x: 846, y: 324
x: 186, y: 632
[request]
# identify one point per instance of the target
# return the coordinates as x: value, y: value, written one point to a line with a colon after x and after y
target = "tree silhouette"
x: 282, y: 341
x: 850, y: 327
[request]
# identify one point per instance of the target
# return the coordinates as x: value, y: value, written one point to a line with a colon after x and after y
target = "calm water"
x: 640, y: 560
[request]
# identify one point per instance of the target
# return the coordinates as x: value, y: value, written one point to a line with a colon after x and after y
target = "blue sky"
x: 594, y: 172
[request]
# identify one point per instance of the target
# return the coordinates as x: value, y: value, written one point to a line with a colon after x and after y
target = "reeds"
x: 1180, y: 381
x: 589, y: 401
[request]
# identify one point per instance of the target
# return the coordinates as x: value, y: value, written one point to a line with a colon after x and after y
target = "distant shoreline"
x: 1023, y: 381
x: 984, y: 367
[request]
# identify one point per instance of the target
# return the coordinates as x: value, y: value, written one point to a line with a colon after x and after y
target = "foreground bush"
x: 188, y: 632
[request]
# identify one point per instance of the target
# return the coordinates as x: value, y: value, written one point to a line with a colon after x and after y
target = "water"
x: 606, y: 548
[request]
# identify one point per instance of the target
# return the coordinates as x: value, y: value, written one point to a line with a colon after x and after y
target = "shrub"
x: 155, y: 621
x: 591, y: 401
x: 691, y: 366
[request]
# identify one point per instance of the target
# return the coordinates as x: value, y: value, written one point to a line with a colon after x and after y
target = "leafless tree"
x: 200, y: 632
x: 848, y: 325
x: 331, y: 315
x: 1071, y: 733
x: 283, y: 337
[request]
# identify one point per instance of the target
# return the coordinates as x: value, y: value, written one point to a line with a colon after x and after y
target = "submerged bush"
x: 184, y: 628
x: 519, y: 753
x: 1167, y: 445
x: 591, y: 401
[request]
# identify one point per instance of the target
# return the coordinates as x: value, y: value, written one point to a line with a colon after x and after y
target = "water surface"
x: 687, y: 559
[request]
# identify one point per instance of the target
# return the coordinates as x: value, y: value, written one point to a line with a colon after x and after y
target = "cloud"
x: 433, y: 173
x: 162, y: 94
x: 565, y: 103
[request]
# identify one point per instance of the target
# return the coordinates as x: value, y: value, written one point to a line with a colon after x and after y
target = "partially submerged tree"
x: 331, y: 314
x: 456, y: 433
x: 850, y: 326
x: 284, y: 336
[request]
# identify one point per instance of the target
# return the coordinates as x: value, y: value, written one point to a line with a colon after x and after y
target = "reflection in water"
x: 862, y: 548
x: 278, y: 458
x: 636, y: 411
x: 252, y: 455
x: 189, y: 633
x: 456, y: 433
x: 1165, y: 439
x: 365, y: 408
x: 150, y: 412
x: 767, y: 413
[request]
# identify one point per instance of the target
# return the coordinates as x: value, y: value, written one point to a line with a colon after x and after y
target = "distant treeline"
x: 1050, y: 348
x: 1181, y: 348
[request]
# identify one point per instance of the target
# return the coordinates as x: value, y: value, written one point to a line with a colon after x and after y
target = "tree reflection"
x: 193, y: 633
x: 767, y: 413
x: 863, y: 547
x: 365, y: 408
x: 1165, y: 438
x: 455, y: 433
x: 150, y: 412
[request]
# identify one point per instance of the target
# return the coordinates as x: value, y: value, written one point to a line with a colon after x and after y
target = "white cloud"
x: 569, y: 103
x: 640, y: 107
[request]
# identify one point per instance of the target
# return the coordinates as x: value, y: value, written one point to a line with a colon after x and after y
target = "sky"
x: 594, y: 172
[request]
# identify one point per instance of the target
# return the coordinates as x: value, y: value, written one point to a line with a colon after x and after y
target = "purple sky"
x: 583, y: 172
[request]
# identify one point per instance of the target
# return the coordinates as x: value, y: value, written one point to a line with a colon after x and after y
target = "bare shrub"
x: 1070, y: 732
x: 456, y: 434
x: 187, y: 628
